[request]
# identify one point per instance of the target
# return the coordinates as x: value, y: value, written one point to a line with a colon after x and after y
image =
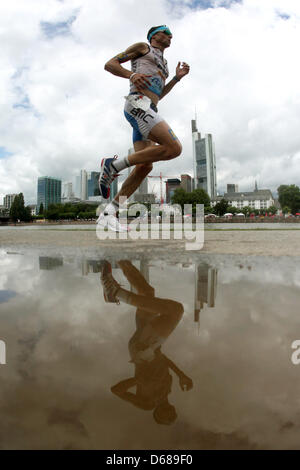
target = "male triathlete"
x: 147, y: 77
x: 156, y: 319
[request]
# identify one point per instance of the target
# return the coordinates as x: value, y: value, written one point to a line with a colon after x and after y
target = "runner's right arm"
x: 133, y: 52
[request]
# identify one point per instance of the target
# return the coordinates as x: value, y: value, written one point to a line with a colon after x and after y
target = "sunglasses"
x: 163, y: 29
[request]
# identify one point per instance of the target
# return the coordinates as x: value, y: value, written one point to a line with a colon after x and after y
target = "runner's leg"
x: 135, y: 278
x: 138, y: 174
x: 169, y: 146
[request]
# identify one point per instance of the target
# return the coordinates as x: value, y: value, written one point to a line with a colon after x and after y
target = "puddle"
x: 145, y: 354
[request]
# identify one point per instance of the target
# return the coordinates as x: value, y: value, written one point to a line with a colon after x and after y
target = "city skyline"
x: 247, y: 103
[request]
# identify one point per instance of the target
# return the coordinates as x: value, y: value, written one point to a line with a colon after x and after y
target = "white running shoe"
x: 111, y: 222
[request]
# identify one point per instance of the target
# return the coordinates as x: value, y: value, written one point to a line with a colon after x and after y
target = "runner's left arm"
x: 182, y: 69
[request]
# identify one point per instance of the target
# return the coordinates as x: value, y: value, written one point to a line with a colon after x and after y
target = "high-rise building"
x: 48, y: 191
x: 129, y: 170
x: 186, y: 183
x: 113, y: 189
x: 77, y: 191
x: 83, y: 185
x: 171, y: 185
x: 143, y: 187
x: 93, y: 184
x: 204, y: 162
x: 8, y: 200
x: 67, y: 190
x: 141, y: 194
x: 232, y: 188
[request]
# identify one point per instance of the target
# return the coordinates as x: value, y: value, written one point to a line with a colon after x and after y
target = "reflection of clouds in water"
x: 67, y: 347
x: 265, y: 271
x: 5, y: 295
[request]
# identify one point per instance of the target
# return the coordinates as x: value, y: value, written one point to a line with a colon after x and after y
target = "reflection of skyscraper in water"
x: 205, y: 288
x: 49, y: 263
x: 144, y: 268
x: 90, y: 266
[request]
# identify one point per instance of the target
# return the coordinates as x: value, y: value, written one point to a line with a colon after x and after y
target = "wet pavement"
x: 140, y: 353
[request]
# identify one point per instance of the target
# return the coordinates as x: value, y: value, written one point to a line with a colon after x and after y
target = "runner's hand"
x: 182, y: 69
x: 185, y: 382
x: 140, y: 81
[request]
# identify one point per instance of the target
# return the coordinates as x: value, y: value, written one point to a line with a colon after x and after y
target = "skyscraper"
x: 232, y: 188
x: 204, y: 162
x: 67, y: 190
x: 77, y: 191
x: 186, y: 183
x: 171, y: 185
x: 8, y: 200
x: 48, y: 191
x: 129, y: 170
x: 92, y: 184
x: 83, y: 185
x: 143, y: 187
x: 113, y: 189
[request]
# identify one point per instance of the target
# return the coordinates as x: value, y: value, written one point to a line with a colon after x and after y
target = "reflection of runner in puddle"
x: 155, y: 320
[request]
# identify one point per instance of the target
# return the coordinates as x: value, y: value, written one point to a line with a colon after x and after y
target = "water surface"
x: 183, y: 356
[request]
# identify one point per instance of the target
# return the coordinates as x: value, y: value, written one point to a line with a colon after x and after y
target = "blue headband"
x: 160, y: 28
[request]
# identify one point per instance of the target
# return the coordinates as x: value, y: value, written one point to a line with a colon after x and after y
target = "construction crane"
x: 160, y: 176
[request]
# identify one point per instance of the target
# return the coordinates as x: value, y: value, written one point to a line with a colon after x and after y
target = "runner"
x: 147, y: 77
x: 156, y: 319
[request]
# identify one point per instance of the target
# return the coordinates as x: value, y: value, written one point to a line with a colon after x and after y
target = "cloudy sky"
x: 61, y: 112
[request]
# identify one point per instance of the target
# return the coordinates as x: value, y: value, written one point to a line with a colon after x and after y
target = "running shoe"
x: 109, y: 284
x: 111, y: 222
x: 106, y: 177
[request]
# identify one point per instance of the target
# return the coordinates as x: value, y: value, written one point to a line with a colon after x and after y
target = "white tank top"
x: 154, y: 64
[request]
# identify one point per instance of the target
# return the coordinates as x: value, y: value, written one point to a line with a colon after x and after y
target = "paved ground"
x: 268, y: 243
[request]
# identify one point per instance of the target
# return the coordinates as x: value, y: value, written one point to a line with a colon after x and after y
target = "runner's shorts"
x: 141, y: 121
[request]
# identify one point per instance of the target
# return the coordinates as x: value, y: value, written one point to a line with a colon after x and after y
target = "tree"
x: 221, y: 207
x: 41, y: 209
x: 198, y: 196
x: 70, y: 211
x: 289, y: 196
x: 246, y: 210
x: 180, y: 197
x: 18, y: 210
x: 272, y: 210
x: 53, y: 212
x: 285, y: 210
x: 233, y: 210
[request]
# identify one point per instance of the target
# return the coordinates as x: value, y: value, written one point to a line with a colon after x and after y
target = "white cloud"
x: 60, y: 111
